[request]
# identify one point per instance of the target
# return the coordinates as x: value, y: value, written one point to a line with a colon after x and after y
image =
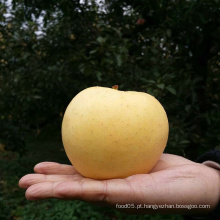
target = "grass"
x: 14, y: 206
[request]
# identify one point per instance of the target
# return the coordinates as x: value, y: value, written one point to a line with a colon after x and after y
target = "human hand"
x: 173, y: 180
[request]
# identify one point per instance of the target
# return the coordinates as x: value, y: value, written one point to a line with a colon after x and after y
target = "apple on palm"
x: 109, y: 133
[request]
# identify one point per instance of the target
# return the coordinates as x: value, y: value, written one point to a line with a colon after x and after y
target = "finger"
x: 66, y: 190
x: 31, y: 179
x: 108, y: 191
x: 41, y: 191
x: 54, y: 168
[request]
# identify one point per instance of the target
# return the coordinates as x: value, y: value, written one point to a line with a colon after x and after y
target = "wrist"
x: 216, y: 186
x: 212, y: 179
x: 211, y: 167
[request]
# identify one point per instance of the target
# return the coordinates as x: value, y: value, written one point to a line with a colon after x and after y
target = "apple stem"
x: 115, y: 87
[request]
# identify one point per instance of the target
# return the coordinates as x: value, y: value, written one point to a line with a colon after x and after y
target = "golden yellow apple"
x: 109, y: 133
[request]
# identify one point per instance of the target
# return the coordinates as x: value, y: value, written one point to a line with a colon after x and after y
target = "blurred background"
x: 51, y: 50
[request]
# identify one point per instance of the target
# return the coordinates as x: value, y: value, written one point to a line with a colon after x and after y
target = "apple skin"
x: 109, y: 133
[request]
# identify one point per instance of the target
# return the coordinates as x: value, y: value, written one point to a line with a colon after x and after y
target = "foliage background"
x: 51, y: 50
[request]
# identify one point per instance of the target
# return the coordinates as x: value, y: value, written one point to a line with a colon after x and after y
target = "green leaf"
x: 26, y: 55
x: 119, y: 60
x: 169, y: 33
x: 154, y: 51
x: 37, y: 97
x: 184, y: 142
x: 82, y: 67
x: 171, y: 90
x: 99, y: 76
x: 52, y: 68
x: 101, y: 40
x: 147, y: 81
x: 92, y: 51
x: 187, y: 108
x: 161, y: 85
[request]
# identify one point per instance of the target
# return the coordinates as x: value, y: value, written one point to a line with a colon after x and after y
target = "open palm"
x: 173, y: 180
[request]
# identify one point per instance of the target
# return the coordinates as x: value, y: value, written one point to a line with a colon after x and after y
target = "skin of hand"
x: 173, y: 180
